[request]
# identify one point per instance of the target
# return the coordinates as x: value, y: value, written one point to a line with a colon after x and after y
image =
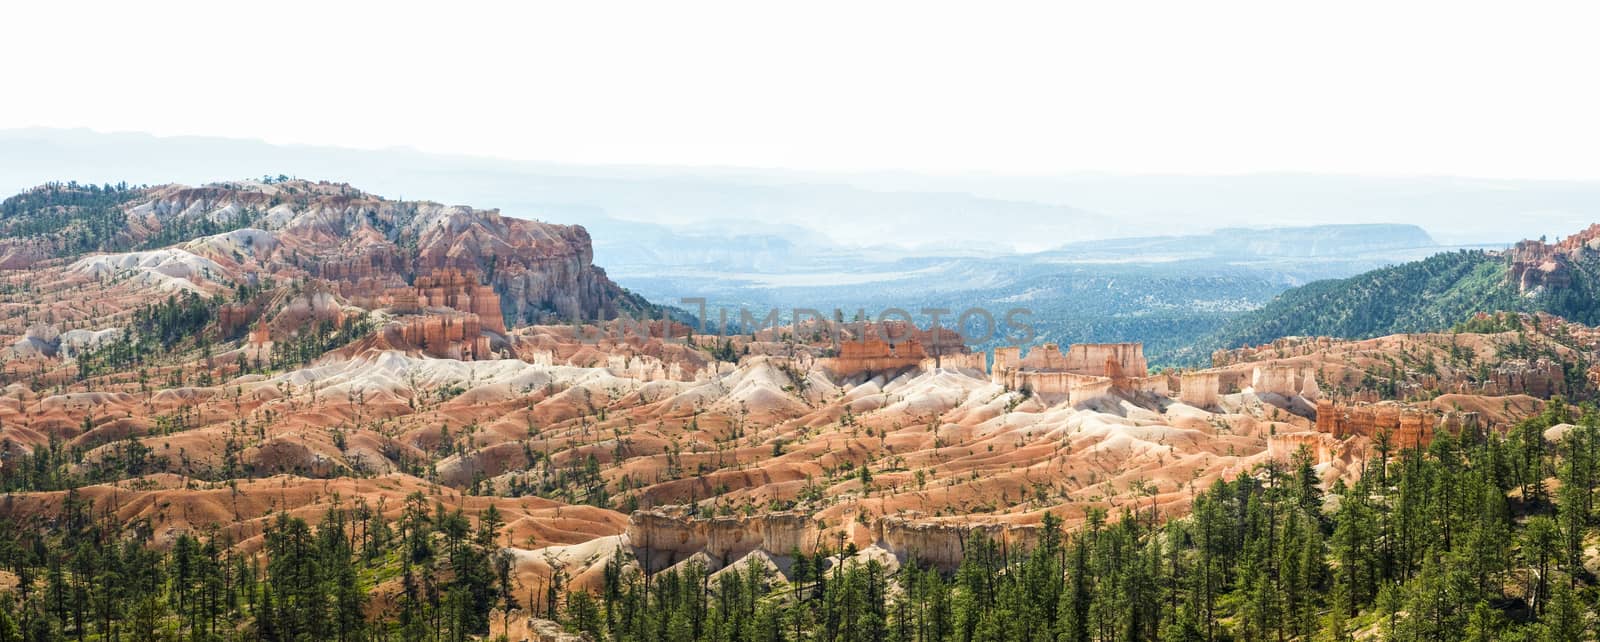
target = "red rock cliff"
x: 462, y: 258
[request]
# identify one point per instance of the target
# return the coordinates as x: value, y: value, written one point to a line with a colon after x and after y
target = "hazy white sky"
x: 1504, y: 89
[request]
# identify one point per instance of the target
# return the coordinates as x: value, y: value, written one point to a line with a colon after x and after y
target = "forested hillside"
x: 1429, y: 295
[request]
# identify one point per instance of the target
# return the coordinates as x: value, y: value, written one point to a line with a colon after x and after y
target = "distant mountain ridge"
x: 853, y: 208
x: 1334, y: 240
x: 1322, y: 240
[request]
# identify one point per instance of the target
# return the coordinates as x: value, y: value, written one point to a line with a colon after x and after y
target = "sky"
x: 1501, y: 90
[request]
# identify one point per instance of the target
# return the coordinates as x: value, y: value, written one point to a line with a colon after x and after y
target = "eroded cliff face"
x: 660, y: 539
x: 1200, y: 389
x: 944, y: 544
x: 1406, y: 426
x: 287, y: 256
x: 663, y: 539
x: 1083, y: 373
x: 1537, y: 266
x: 507, y: 271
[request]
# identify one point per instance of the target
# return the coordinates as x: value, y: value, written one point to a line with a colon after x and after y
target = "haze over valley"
x: 1157, y: 259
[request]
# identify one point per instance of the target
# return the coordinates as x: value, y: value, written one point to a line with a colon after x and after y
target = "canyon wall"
x: 231, y: 317
x: 461, y: 258
x: 1005, y: 358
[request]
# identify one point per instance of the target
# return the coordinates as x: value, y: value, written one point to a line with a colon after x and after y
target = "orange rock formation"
x: 454, y: 335
x: 460, y: 290
x: 1406, y: 425
x: 1083, y: 372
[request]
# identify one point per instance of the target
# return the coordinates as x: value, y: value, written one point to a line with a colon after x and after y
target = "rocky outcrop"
x: 307, y: 310
x: 646, y: 351
x: 1283, y: 348
x: 77, y: 342
x: 1114, y: 360
x: 1322, y: 447
x: 542, y: 630
x: 45, y: 341
x: 461, y: 291
x: 1285, y: 381
x: 1492, y: 362
x: 1540, y: 377
x: 258, y: 345
x: 888, y: 348
x: 233, y: 317
x: 1082, y: 373
x: 1199, y: 389
x: 960, y: 361
x: 1107, y: 360
x: 664, y: 539
x: 1093, y: 359
x: 876, y: 356
x: 1406, y: 425
x: 661, y: 539
x: 944, y: 544
x: 1587, y: 239
x: 447, y: 335
x: 1536, y: 265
